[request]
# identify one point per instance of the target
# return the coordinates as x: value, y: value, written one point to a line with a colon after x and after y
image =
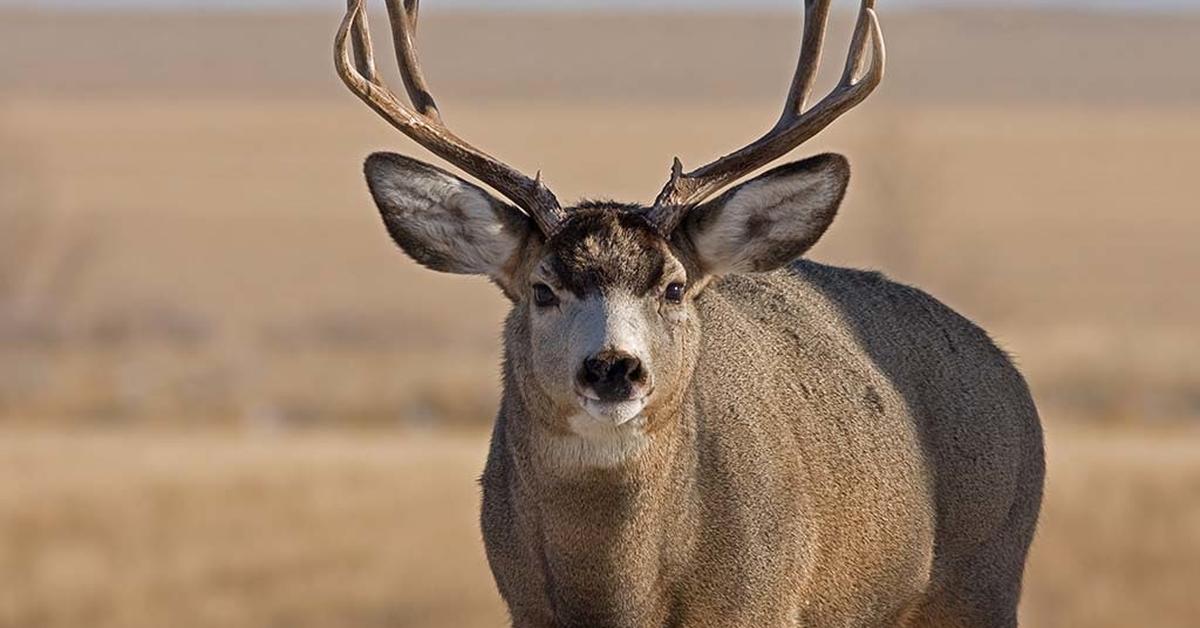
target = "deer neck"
x: 611, y: 515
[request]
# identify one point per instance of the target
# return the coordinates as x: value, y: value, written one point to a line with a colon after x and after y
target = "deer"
x: 698, y: 426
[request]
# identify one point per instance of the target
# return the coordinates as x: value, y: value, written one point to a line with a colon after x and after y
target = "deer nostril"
x: 622, y: 370
x: 637, y: 374
x: 594, y: 370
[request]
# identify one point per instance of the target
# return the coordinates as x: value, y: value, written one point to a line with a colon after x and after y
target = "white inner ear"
x: 762, y: 214
x: 455, y: 219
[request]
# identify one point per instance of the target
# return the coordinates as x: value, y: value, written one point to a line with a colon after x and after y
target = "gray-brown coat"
x: 698, y: 430
x: 793, y: 444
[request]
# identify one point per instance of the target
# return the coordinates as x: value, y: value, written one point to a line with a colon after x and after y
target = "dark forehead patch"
x: 604, y: 246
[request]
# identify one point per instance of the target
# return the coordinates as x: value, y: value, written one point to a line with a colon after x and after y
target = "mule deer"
x: 696, y: 428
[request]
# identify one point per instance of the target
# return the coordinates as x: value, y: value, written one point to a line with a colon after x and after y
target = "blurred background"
x: 226, y: 399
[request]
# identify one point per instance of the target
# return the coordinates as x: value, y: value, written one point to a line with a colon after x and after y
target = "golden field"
x: 197, y: 530
x: 227, y: 400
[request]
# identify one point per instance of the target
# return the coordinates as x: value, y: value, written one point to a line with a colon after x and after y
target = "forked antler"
x: 354, y: 58
x: 795, y: 126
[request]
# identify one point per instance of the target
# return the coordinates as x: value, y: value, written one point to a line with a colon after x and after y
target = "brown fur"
x: 822, y: 447
x: 890, y: 459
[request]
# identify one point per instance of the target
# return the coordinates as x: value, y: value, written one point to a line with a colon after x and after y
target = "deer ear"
x: 444, y: 222
x: 771, y: 220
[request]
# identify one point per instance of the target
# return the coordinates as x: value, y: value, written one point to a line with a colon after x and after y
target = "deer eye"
x: 543, y: 296
x: 674, y: 293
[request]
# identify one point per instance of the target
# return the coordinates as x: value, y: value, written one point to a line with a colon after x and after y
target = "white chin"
x: 614, y: 412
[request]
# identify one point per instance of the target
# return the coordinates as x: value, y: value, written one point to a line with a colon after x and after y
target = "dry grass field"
x: 226, y: 400
x: 145, y: 530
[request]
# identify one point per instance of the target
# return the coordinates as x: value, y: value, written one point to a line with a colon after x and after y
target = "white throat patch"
x: 598, y: 443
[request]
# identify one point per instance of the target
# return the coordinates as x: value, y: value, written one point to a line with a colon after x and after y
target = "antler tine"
x: 795, y: 126
x: 867, y: 25
x: 353, y: 57
x: 364, y: 51
x: 816, y: 18
x: 403, y: 16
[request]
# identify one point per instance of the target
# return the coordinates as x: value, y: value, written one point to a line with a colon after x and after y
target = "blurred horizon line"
x: 600, y: 6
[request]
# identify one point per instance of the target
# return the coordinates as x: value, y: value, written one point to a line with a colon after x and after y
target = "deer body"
x: 887, y: 469
x: 697, y: 429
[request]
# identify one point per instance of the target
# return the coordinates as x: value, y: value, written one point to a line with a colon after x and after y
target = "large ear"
x: 770, y: 221
x: 444, y: 222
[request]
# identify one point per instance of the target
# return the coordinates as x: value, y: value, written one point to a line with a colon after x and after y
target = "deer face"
x: 609, y: 314
x: 607, y: 323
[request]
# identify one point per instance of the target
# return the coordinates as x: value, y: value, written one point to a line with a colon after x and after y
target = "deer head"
x: 604, y: 329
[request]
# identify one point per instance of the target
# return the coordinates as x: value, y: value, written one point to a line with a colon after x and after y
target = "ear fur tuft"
x: 443, y: 222
x: 771, y: 220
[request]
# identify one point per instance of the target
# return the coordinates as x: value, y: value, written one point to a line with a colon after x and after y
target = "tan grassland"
x: 200, y: 530
x: 227, y: 400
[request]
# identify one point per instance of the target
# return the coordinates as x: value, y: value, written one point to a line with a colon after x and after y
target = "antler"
x: 795, y: 126
x: 354, y: 58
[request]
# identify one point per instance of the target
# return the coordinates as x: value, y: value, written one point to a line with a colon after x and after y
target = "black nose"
x: 612, y: 375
